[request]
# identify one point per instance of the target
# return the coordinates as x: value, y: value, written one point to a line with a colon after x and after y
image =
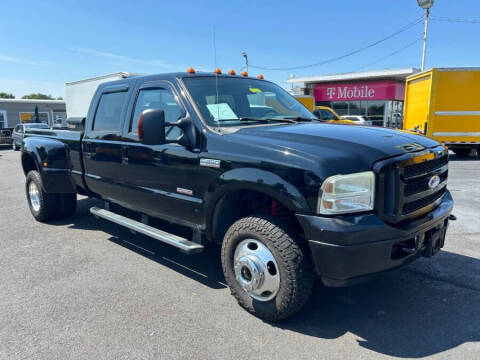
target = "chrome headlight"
x: 351, y: 193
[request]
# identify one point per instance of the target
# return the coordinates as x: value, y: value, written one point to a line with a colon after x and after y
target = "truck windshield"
x: 225, y: 101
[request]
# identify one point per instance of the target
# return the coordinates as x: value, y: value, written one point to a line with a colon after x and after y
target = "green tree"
x: 59, y: 98
x: 37, y: 115
x: 4, y: 95
x: 38, y: 96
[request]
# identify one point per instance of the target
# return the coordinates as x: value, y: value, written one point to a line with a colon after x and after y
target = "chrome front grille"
x: 403, y: 187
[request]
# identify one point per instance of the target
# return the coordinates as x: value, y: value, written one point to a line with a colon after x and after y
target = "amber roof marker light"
x: 217, y: 71
x: 260, y: 76
x: 191, y: 70
x: 244, y: 73
x: 232, y: 72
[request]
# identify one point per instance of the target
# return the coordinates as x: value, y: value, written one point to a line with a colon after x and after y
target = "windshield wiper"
x: 265, y: 120
x: 299, y: 118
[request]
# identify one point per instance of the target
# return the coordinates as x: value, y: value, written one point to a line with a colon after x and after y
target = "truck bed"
x: 72, y: 139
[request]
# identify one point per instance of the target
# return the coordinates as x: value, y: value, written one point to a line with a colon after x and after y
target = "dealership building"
x: 16, y: 111
x: 378, y: 95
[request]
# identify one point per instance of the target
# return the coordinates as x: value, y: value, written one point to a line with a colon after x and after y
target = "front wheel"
x: 266, y: 267
x: 14, y: 146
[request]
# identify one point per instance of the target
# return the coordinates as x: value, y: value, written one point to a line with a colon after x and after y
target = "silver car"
x: 359, y: 120
x: 19, y: 132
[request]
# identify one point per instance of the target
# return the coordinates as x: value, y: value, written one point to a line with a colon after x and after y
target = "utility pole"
x: 425, y: 4
x: 244, y: 54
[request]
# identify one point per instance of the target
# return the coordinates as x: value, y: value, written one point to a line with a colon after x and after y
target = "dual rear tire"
x: 47, y: 206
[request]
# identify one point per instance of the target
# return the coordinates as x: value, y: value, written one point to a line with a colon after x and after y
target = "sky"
x: 44, y: 44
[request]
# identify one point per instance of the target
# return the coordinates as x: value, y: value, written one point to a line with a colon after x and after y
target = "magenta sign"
x: 368, y: 90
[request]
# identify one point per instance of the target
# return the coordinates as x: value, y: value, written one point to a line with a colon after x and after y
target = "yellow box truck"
x: 307, y: 100
x: 444, y: 104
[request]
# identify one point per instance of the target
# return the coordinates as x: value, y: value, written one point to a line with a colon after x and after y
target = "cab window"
x: 158, y: 99
x: 109, y: 111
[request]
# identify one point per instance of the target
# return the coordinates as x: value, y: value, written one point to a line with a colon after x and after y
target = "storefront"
x: 16, y: 111
x: 376, y: 95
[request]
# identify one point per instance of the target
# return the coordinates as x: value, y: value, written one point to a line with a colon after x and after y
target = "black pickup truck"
x: 237, y: 161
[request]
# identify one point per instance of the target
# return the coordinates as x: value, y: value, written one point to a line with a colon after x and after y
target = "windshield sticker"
x: 255, y: 90
x: 221, y: 111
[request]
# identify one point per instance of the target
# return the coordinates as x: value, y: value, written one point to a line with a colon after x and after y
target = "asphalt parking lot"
x: 87, y: 289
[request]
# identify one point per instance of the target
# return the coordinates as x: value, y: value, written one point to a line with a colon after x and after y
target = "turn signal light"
x: 231, y: 72
x: 244, y: 73
x: 191, y: 70
x: 260, y: 76
x: 217, y: 71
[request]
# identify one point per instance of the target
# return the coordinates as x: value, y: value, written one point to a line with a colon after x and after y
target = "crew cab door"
x: 160, y: 179
x: 102, y: 145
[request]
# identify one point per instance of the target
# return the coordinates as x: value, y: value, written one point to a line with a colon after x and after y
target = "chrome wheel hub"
x: 256, y: 270
x: 33, y: 195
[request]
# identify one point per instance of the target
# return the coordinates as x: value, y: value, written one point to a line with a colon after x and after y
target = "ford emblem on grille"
x: 434, y: 181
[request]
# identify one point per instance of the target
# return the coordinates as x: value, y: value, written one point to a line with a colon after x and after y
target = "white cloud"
x: 122, y: 59
x: 20, y: 87
x: 15, y: 60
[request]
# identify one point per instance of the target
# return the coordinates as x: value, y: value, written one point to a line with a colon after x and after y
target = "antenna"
x: 216, y: 78
x: 244, y: 54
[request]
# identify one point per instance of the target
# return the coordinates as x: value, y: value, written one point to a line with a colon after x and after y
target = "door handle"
x: 124, y: 154
x: 87, y: 150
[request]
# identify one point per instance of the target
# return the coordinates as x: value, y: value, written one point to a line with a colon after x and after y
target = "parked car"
x: 19, y: 133
x: 287, y: 197
x: 358, y: 119
x: 326, y: 114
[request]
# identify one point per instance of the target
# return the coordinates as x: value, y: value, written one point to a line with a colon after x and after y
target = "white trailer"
x: 79, y: 93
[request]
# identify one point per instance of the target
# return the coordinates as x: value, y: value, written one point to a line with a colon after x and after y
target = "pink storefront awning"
x: 367, y: 90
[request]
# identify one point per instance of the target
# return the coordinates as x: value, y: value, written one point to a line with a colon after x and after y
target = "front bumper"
x: 349, y: 249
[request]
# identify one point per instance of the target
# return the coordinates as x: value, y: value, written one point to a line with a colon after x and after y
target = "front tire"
x: 266, y: 267
x: 43, y: 206
x: 15, y: 147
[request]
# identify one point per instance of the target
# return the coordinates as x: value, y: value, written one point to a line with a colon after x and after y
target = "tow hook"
x: 452, y: 217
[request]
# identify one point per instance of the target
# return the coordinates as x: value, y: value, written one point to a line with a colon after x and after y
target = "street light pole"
x: 425, y: 4
x: 427, y: 15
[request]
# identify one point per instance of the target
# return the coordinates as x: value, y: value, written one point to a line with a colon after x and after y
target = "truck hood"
x: 360, y: 146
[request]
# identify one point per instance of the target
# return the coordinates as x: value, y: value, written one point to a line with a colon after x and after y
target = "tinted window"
x: 160, y: 99
x: 108, y: 115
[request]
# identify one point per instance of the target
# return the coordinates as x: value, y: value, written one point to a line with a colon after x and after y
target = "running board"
x: 186, y: 246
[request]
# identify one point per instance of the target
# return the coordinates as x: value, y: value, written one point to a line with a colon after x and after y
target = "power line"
x: 389, y: 55
x: 468, y: 21
x: 401, y: 30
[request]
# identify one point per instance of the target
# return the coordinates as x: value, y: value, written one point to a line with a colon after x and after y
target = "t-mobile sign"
x: 371, y: 90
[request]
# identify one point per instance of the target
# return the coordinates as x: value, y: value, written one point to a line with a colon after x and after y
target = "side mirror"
x: 151, y: 127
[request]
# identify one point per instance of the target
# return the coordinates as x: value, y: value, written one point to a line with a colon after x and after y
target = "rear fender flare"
x: 52, y: 161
